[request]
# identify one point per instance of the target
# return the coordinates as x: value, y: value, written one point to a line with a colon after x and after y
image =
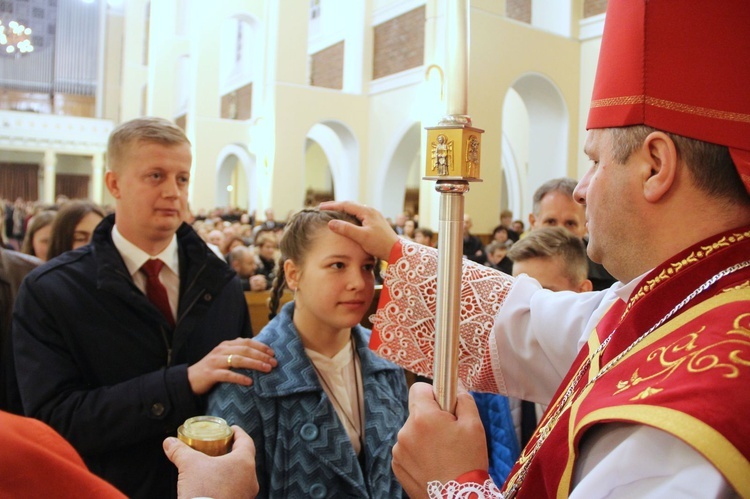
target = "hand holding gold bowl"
x: 208, y: 434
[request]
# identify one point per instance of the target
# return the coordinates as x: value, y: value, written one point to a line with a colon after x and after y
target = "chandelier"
x: 15, y: 39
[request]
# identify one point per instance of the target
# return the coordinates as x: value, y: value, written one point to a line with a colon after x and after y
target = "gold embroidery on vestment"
x: 675, y: 267
x: 696, y: 358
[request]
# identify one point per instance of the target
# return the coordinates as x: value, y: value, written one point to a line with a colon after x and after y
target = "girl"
x: 73, y: 226
x: 266, y: 245
x: 37, y: 238
x: 325, y: 420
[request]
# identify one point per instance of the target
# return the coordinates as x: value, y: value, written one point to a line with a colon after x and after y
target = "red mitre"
x: 682, y: 66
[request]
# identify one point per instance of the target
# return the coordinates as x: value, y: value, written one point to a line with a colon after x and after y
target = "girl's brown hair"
x: 64, y: 225
x: 299, y: 233
x: 37, y: 222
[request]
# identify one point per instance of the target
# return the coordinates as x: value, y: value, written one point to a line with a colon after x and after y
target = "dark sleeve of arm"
x: 93, y: 418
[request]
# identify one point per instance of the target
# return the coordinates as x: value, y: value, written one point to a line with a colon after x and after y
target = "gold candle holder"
x: 208, y: 434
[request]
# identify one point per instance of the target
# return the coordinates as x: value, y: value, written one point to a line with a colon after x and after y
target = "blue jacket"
x: 94, y: 360
x: 302, y: 448
x: 502, y: 443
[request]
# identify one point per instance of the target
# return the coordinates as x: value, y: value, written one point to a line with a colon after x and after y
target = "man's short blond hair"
x: 550, y: 242
x: 146, y: 129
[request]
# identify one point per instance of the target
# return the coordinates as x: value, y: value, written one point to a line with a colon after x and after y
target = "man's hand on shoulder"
x: 218, y: 366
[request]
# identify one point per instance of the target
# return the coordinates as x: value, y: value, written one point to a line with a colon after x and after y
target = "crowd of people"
x: 137, y: 320
x: 247, y: 242
x: 553, y: 206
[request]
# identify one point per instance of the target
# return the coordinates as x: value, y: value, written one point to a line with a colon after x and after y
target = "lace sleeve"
x: 469, y: 490
x: 404, y: 325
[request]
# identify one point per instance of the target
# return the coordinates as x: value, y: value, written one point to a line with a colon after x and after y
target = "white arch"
x: 513, y: 178
x: 342, y: 150
x: 390, y: 185
x: 548, y: 133
x: 224, y: 170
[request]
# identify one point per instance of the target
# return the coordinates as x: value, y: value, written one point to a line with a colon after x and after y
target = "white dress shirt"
x: 134, y: 258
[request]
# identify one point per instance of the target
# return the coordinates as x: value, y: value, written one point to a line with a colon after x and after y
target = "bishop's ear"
x: 659, y: 165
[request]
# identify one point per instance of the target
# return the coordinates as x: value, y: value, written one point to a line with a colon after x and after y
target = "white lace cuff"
x: 470, y: 490
x: 404, y: 326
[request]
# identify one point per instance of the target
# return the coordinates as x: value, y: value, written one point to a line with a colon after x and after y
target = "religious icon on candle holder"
x: 453, y: 153
x: 442, y: 155
x: 472, y: 156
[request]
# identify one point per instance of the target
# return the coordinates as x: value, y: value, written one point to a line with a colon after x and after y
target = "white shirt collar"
x: 134, y: 257
x: 330, y: 364
x: 623, y: 291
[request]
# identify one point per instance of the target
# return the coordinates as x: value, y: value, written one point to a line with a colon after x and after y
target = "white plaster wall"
x: 393, y: 113
x: 501, y: 52
x: 516, y: 138
x: 589, y: 57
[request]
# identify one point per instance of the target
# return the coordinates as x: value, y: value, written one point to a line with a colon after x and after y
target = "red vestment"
x: 676, y: 378
x: 37, y: 462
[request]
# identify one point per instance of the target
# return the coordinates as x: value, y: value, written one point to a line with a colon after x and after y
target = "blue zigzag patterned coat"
x: 302, y: 448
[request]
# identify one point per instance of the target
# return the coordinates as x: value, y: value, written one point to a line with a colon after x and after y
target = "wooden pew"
x: 257, y: 306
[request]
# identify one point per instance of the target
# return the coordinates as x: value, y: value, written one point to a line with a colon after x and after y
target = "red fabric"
x: 474, y: 476
x: 385, y: 297
x: 678, y: 66
x: 37, y: 462
x: 669, y: 381
x: 403, y: 329
x: 155, y: 290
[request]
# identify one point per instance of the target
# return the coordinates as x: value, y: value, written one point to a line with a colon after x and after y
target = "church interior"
x: 290, y: 102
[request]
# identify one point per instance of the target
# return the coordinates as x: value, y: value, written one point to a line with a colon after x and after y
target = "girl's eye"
x: 338, y: 265
x: 369, y: 267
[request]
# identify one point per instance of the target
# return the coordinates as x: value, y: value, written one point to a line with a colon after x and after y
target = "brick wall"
x: 237, y: 104
x: 399, y: 44
x: 594, y: 7
x: 327, y: 67
x: 520, y: 10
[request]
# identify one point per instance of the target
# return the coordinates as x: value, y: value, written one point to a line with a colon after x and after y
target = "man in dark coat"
x: 13, y: 268
x: 114, y: 358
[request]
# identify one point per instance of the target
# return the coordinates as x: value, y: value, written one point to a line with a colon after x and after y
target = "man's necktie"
x: 155, y: 290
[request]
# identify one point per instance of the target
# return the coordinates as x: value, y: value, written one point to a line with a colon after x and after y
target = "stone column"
x: 97, y: 178
x: 50, y: 170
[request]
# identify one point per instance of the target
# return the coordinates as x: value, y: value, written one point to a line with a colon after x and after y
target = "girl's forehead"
x: 327, y: 243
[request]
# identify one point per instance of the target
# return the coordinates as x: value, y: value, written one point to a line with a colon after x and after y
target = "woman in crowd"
x: 409, y: 227
x: 230, y: 243
x: 501, y: 235
x: 325, y: 420
x: 73, y: 226
x: 38, y: 233
x: 267, y: 245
